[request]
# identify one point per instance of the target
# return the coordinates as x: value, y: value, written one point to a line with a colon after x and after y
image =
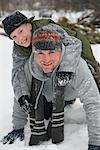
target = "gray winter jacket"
x: 81, y: 85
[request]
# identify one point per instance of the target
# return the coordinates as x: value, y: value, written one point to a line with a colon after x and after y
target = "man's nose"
x: 47, y: 57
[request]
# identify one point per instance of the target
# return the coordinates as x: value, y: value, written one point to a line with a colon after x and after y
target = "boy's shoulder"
x: 41, y: 22
x: 22, y: 51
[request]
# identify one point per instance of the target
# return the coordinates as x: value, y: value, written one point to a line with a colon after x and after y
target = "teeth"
x: 24, y: 41
x: 47, y: 64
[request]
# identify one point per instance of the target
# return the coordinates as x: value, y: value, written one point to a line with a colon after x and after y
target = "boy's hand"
x: 25, y: 104
x: 13, y: 135
x: 63, y: 78
x: 93, y: 147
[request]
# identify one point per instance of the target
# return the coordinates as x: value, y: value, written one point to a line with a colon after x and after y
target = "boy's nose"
x: 19, y: 39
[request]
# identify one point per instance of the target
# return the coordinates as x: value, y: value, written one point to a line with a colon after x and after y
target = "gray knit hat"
x: 13, y: 21
x: 46, y: 38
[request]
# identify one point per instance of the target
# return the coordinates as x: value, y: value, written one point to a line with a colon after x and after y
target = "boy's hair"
x: 13, y: 21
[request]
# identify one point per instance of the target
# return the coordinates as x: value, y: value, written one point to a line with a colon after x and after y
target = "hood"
x: 71, y: 52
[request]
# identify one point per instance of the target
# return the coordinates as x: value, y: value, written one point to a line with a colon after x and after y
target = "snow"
x: 76, y: 136
x: 96, y: 51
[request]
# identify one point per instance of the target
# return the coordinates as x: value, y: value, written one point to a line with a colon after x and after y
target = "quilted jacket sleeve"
x: 19, y: 82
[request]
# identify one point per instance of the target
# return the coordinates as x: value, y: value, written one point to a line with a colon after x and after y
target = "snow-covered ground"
x: 76, y: 137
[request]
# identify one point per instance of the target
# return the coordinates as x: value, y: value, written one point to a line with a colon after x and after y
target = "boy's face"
x: 22, y: 35
x: 47, y: 60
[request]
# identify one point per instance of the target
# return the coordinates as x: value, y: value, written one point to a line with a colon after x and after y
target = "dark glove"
x: 63, y: 78
x: 25, y: 103
x: 93, y: 147
x: 13, y: 135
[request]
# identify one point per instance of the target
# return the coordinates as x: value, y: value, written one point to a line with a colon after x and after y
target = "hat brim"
x: 25, y: 21
x: 31, y: 19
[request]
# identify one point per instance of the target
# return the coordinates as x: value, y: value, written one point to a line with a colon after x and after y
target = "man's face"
x: 47, y: 60
x: 22, y: 35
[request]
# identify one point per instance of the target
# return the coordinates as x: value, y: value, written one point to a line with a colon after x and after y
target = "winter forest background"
x: 73, y: 5
x: 76, y: 137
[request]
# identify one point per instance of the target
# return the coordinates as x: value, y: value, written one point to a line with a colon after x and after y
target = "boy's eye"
x: 13, y: 37
x: 20, y: 31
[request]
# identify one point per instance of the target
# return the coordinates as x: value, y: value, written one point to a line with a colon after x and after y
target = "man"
x: 68, y: 77
x: 57, y: 82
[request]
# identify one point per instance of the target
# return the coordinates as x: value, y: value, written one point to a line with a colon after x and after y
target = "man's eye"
x: 40, y: 53
x: 52, y: 52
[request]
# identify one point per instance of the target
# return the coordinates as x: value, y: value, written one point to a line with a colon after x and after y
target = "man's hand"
x: 13, y: 135
x: 93, y: 147
x: 25, y: 103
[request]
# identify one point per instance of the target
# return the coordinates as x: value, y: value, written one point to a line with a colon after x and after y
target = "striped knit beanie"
x: 46, y: 38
